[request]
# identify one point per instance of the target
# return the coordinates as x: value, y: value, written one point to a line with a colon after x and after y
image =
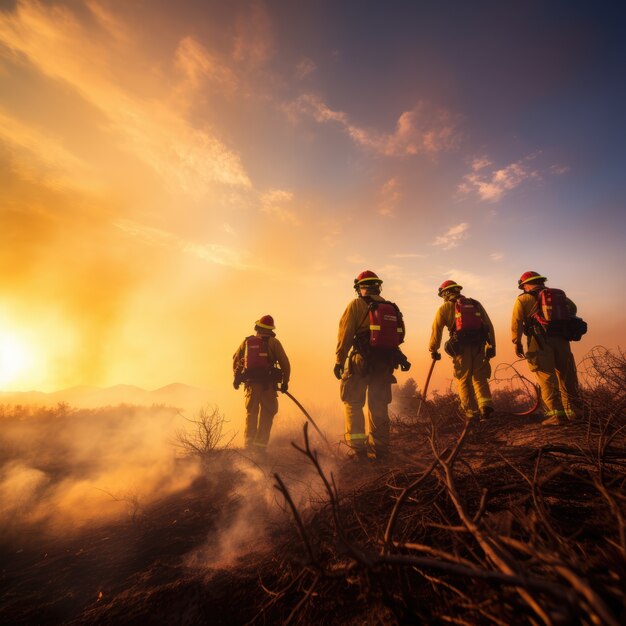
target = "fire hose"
x: 530, y: 411
x: 423, y: 398
x: 306, y: 414
x: 537, y: 388
x: 537, y: 400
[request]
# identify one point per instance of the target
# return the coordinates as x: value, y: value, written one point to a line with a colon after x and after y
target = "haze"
x: 171, y: 172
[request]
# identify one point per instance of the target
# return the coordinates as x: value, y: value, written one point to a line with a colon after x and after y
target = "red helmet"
x: 530, y: 277
x: 367, y: 277
x: 448, y: 284
x: 267, y: 322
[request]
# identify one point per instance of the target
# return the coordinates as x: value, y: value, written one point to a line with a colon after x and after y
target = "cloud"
x: 480, y: 163
x: 496, y: 256
x: 467, y: 279
x: 422, y: 130
x: 211, y: 253
x: 390, y: 196
x: 408, y: 255
x: 493, y: 185
x: 452, y: 237
x: 305, y: 67
x: 276, y: 202
x: 197, y: 64
x: 188, y: 159
x: 254, y: 41
x: 559, y: 170
x: 37, y: 156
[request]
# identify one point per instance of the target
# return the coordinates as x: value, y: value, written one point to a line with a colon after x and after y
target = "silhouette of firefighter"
x: 548, y: 319
x: 261, y: 364
x: 471, y: 345
x: 370, y: 333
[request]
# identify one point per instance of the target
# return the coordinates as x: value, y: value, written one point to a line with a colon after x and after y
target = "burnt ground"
x: 519, y: 481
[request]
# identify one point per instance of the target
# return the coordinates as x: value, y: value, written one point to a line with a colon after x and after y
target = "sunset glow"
x: 171, y: 173
x: 15, y: 359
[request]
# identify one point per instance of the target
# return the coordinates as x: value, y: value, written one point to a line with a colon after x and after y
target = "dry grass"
x: 508, y: 523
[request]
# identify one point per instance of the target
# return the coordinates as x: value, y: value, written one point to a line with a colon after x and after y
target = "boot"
x: 485, y: 412
x: 555, y: 420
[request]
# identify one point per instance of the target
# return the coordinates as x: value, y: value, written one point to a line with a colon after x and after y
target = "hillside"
x: 506, y: 521
x: 176, y: 395
x: 548, y: 503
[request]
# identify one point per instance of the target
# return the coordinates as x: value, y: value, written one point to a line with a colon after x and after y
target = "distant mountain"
x: 176, y: 394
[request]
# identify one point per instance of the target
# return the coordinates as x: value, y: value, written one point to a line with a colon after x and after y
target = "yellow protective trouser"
x: 375, y: 382
x: 552, y: 361
x: 261, y: 406
x: 472, y: 372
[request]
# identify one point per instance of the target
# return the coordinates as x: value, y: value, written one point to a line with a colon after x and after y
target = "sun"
x: 14, y: 358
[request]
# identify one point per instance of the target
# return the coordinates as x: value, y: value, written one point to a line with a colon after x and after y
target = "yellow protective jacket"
x: 354, y: 321
x: 445, y: 318
x: 526, y: 305
x: 275, y: 352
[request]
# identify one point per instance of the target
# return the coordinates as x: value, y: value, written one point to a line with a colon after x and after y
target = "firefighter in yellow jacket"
x: 472, y: 344
x: 548, y: 352
x: 370, y: 331
x: 254, y: 364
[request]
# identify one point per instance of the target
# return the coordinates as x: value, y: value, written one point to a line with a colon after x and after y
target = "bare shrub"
x: 604, y: 378
x: 205, y: 433
x: 482, y: 534
x: 134, y: 506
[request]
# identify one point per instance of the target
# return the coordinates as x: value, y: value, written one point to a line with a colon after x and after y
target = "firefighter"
x: 548, y: 352
x: 254, y: 364
x: 370, y: 331
x: 471, y: 345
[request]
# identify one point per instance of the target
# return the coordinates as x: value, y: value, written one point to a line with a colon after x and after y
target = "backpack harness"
x: 469, y: 327
x: 255, y: 365
x: 552, y: 317
x: 386, y: 333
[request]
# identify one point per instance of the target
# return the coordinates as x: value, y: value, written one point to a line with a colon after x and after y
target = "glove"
x: 284, y: 387
x: 490, y: 353
x: 405, y: 366
x: 435, y: 355
x: 236, y: 384
x: 519, y: 350
x: 338, y: 371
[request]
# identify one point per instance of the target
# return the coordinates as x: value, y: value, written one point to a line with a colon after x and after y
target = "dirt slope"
x: 166, y: 564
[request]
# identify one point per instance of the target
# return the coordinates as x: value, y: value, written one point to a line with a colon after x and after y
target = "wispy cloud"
x: 422, y: 130
x: 496, y: 256
x: 467, y: 279
x: 492, y: 185
x: 278, y: 204
x: 452, y: 237
x: 211, y: 253
x: 187, y: 158
x: 559, y: 170
x: 196, y: 64
x: 408, y: 255
x: 390, y: 195
x: 254, y: 40
x: 305, y: 67
x: 37, y: 156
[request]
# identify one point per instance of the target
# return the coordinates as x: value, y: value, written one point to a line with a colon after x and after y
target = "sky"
x: 171, y: 172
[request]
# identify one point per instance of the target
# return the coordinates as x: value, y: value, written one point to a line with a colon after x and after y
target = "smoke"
x: 64, y: 468
x: 254, y: 514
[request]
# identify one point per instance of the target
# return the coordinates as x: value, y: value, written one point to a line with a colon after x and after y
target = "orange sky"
x: 171, y: 173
